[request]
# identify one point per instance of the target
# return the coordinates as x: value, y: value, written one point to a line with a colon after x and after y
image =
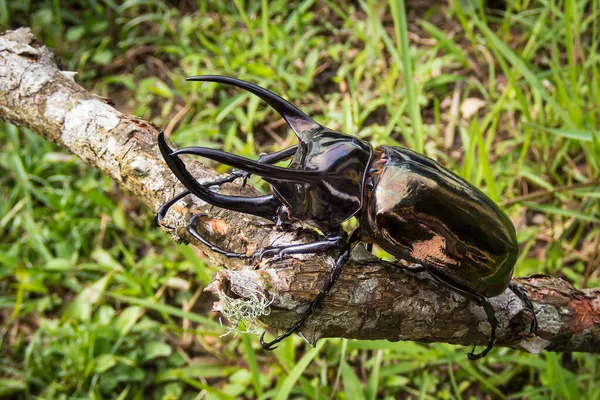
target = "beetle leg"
x: 335, y: 273
x: 331, y: 242
x: 192, y: 230
x: 525, y: 299
x: 163, y: 209
x: 479, y: 300
x: 295, y: 118
x: 491, y: 315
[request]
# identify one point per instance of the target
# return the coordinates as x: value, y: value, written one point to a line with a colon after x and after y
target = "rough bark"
x: 371, y: 300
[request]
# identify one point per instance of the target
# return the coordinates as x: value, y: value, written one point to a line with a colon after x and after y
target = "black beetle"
x: 408, y: 204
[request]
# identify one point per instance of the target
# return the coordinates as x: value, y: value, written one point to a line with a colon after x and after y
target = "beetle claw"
x: 267, y: 345
x: 258, y: 255
x: 238, y: 173
x: 158, y: 221
x: 532, y: 328
x: 264, y: 252
x: 278, y: 257
x: 168, y: 227
x: 472, y: 356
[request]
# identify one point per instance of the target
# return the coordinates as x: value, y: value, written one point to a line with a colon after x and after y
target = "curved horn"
x: 254, y: 167
x: 296, y: 119
x: 263, y: 206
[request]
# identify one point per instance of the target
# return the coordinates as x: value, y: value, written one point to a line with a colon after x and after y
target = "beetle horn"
x: 296, y: 119
x: 263, y: 206
x: 254, y: 167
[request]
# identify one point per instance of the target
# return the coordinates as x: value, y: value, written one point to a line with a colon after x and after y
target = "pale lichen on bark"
x: 372, y: 299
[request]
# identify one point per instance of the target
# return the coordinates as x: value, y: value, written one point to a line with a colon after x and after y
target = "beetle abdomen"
x: 424, y: 213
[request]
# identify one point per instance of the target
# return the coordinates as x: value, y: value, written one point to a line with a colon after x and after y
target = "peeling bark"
x: 372, y: 299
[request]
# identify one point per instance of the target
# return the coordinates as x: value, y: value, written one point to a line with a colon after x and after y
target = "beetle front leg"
x: 192, y: 230
x: 162, y: 211
x: 331, y: 242
x: 166, y: 206
x: 343, y: 257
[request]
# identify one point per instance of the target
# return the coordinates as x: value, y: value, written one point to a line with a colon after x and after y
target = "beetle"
x: 408, y: 204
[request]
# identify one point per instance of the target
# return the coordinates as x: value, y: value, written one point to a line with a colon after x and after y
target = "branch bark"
x: 372, y: 299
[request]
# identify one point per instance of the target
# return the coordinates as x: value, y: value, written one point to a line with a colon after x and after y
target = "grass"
x: 97, y: 303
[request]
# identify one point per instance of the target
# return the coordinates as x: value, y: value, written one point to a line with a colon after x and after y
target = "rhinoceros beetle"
x: 408, y: 204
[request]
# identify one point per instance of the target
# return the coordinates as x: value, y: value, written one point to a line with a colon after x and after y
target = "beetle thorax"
x: 336, y: 194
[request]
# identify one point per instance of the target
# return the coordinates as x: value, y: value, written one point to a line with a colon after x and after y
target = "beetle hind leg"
x: 491, y: 316
x: 525, y: 299
x: 343, y: 257
x: 479, y: 300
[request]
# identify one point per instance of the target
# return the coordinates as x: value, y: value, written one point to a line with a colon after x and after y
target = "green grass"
x: 96, y: 302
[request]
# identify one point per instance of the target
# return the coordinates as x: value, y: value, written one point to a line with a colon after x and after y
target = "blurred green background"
x: 96, y: 302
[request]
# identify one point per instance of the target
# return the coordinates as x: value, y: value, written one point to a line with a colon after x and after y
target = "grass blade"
x: 288, y: 384
x: 520, y: 65
x: 165, y: 308
x: 399, y: 14
x: 352, y: 385
x: 251, y: 360
x: 373, y: 384
x: 561, y: 211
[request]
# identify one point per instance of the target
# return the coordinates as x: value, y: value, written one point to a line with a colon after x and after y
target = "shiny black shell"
x: 337, y: 193
x: 419, y: 211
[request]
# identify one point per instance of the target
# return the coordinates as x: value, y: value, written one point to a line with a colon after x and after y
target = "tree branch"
x: 371, y: 300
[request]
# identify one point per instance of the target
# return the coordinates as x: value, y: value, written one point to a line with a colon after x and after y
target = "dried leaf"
x: 470, y: 106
